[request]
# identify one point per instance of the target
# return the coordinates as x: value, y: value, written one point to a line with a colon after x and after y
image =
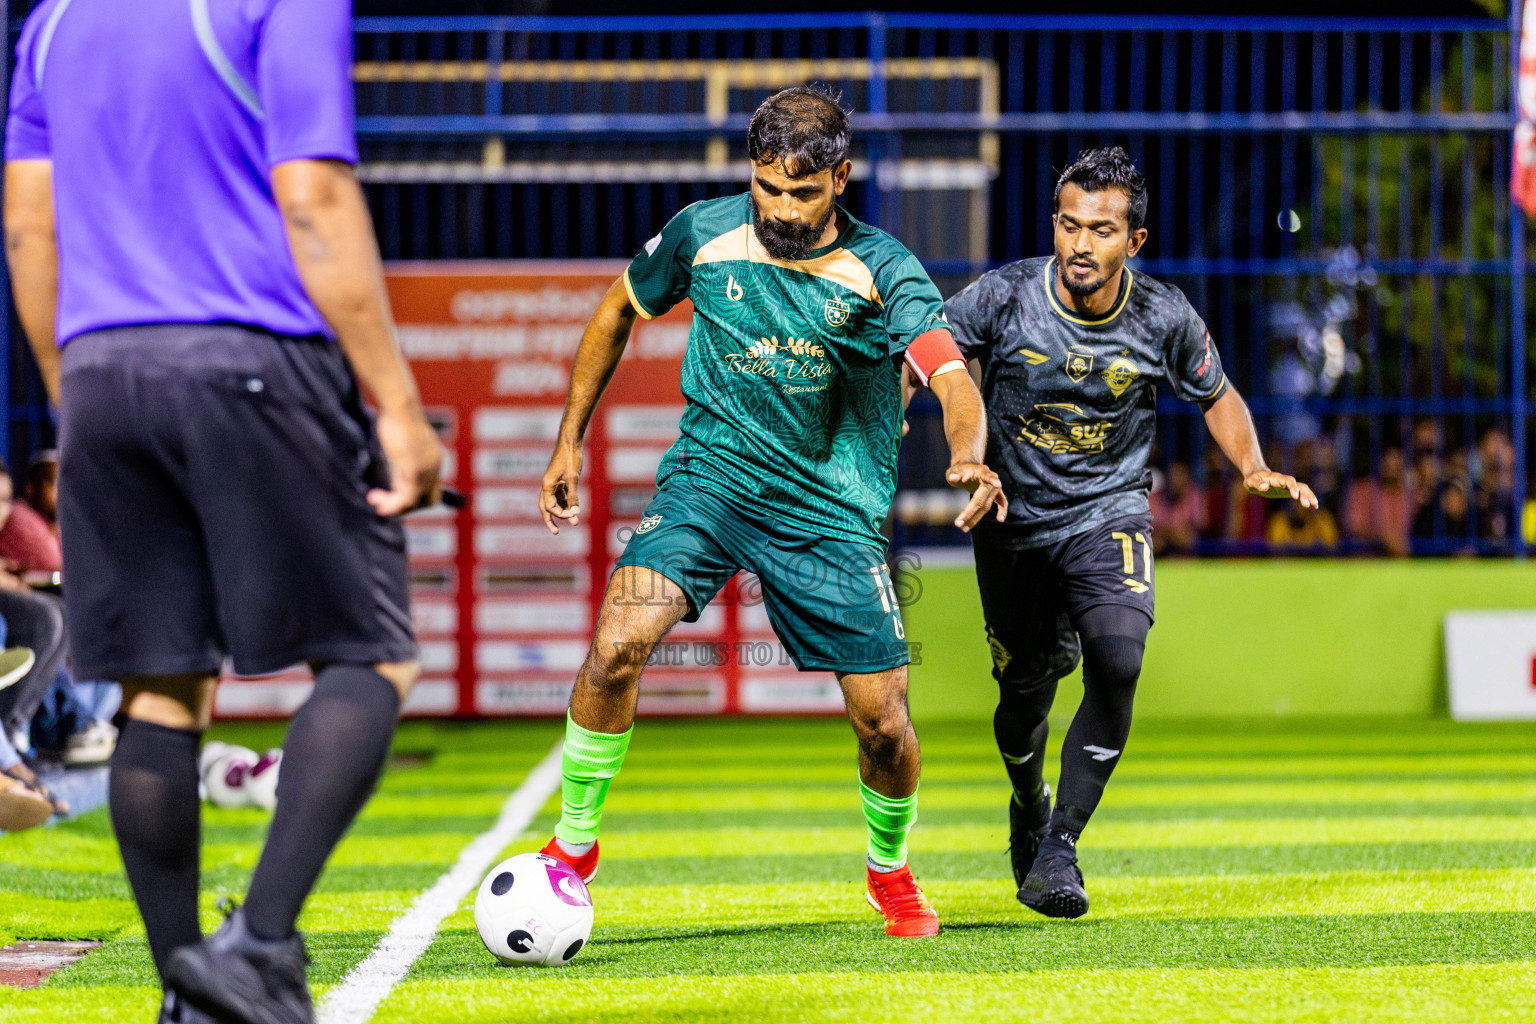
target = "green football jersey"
x: 792, y: 376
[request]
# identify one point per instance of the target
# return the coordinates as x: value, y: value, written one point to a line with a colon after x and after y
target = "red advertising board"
x: 504, y: 610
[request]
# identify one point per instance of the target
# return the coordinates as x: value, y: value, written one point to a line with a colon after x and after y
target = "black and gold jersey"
x: 1071, y: 400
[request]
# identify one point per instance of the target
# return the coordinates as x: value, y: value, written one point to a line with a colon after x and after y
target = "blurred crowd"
x: 49, y: 721
x: 1423, y: 498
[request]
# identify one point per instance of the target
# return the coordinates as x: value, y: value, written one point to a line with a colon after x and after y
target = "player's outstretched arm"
x: 32, y: 251
x: 602, y: 344
x: 330, y: 234
x: 965, y: 427
x: 1231, y: 424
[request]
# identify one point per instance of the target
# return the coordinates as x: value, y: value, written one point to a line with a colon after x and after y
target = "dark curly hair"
x: 1099, y: 169
x: 804, y: 126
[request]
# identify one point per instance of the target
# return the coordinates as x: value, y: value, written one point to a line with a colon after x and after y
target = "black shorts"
x: 211, y: 501
x: 1032, y: 598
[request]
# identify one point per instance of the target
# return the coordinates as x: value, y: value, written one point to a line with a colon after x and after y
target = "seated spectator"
x: 21, y: 806
x: 1380, y: 512
x: 1427, y: 478
x: 1317, y: 462
x: 36, y: 620
x: 40, y: 487
x: 1178, y: 512
x: 24, y: 801
x: 1295, y: 528
x: 1495, y: 485
x: 73, y: 723
x: 27, y: 540
x: 1446, y: 518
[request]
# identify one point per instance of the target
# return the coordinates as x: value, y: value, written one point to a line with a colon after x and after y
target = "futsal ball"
x: 225, y: 776
x: 533, y: 909
x: 212, y: 750
x: 261, y: 781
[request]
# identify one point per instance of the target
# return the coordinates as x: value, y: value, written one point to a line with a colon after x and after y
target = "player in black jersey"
x: 1071, y: 349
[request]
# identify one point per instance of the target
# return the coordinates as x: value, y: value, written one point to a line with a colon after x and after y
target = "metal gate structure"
x: 1331, y: 194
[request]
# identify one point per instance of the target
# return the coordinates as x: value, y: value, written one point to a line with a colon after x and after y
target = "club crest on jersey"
x: 648, y: 523
x: 1079, y: 364
x: 836, y: 312
x: 1122, y: 373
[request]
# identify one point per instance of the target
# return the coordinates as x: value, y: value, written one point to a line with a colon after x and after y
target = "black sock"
x: 1021, y: 724
x: 1113, y: 639
x: 332, y: 759
x: 152, y: 794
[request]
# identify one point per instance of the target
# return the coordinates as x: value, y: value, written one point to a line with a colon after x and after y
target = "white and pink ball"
x: 533, y: 910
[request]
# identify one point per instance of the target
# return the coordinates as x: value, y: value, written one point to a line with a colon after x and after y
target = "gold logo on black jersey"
x: 1079, y: 364
x: 1122, y: 373
x: 1064, y: 429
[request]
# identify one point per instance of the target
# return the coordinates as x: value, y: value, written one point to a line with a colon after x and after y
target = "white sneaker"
x: 92, y: 745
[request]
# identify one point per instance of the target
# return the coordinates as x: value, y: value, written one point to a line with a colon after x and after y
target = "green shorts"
x: 830, y: 601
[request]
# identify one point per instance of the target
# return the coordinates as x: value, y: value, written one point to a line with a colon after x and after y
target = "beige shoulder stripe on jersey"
x: 634, y: 300
x: 839, y: 266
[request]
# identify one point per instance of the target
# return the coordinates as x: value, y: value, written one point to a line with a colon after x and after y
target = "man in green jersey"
x: 805, y: 321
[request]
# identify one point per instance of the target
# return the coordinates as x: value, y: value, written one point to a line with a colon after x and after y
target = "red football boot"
x: 896, y: 896
x: 585, y: 865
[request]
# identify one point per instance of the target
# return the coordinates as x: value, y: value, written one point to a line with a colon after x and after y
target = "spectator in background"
x: 22, y: 804
x: 1380, y: 512
x: 1427, y: 478
x: 36, y: 620
x: 1313, y: 530
x: 1216, y: 504
x: 1495, y: 485
x: 1428, y: 438
x: 1247, y: 514
x: 40, y: 487
x: 1446, y: 518
x: 24, y: 801
x: 1178, y: 512
x: 27, y: 540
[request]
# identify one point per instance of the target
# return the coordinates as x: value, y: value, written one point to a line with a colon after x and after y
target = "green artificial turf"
x: 1268, y: 871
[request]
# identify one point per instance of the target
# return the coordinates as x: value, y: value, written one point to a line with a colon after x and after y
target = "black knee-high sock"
x: 1021, y: 724
x: 333, y: 757
x: 1114, y: 639
x: 152, y: 795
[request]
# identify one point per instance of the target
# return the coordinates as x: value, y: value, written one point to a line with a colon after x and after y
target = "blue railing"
x: 1332, y: 195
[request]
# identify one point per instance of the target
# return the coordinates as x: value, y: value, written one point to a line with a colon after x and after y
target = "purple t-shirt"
x: 161, y: 181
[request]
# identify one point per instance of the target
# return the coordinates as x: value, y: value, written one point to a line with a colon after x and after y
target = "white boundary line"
x: 370, y: 982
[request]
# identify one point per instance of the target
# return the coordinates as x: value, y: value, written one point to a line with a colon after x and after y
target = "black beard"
x: 786, y: 241
x: 1079, y: 288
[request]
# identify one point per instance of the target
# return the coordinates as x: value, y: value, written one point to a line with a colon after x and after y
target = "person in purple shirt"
x: 195, y: 268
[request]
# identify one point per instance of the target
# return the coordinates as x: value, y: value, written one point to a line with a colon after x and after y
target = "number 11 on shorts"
x: 887, y: 591
x: 1129, y: 554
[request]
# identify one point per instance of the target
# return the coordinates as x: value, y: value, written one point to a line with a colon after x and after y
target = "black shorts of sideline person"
x: 213, y: 495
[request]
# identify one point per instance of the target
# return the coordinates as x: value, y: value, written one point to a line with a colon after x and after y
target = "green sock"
x: 889, y: 819
x: 588, y: 762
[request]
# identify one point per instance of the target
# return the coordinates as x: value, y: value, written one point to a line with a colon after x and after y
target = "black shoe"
x: 176, y: 1010
x: 1054, y: 886
x: 1026, y: 827
x: 235, y: 976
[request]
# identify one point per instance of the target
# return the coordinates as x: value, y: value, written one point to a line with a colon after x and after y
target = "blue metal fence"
x: 1332, y: 195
